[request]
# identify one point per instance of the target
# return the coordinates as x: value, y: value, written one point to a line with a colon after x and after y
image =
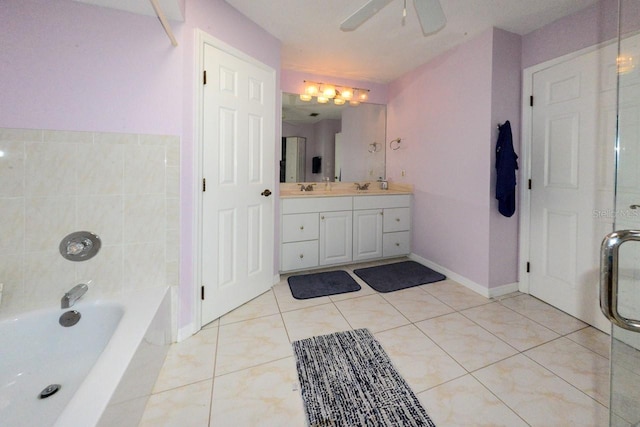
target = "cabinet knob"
x: 322, y: 217
x: 397, y: 244
x: 398, y: 219
x: 381, y: 213
x: 302, y: 227
x: 301, y: 256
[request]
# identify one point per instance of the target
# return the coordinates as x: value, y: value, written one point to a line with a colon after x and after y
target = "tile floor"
x: 472, y: 361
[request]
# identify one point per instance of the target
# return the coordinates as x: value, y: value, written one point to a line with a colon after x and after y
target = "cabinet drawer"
x: 299, y: 227
x: 398, y: 219
x: 394, y: 244
x: 299, y: 255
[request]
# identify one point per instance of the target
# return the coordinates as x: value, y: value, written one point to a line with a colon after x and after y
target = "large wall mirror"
x: 339, y: 142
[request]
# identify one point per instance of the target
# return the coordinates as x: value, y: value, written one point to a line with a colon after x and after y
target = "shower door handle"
x: 609, y: 259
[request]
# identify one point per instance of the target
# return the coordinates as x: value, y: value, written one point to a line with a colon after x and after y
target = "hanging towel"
x: 506, y: 165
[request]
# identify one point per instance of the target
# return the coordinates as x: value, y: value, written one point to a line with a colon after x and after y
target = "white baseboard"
x: 276, y: 279
x: 468, y: 283
x: 185, y: 332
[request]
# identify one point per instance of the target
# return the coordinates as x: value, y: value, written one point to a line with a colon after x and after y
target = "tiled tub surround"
x: 123, y: 187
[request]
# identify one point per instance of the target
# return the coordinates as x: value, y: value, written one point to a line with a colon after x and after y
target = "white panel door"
x: 336, y: 237
x: 571, y: 184
x: 238, y: 165
x: 367, y: 234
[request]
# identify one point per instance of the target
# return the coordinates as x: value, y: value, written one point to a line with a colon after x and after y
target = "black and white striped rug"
x: 347, y: 379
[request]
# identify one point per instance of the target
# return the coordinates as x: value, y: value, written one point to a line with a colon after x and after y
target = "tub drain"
x: 49, y: 390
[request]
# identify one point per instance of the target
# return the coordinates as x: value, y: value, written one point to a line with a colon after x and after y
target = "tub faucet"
x: 73, y: 295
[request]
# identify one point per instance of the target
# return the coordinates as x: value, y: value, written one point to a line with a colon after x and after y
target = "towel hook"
x: 397, y: 141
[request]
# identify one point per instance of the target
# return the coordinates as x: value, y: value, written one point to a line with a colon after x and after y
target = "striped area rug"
x: 347, y: 379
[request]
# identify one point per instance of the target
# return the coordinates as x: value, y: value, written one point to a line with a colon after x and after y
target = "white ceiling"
x: 382, y: 48
x: 171, y: 8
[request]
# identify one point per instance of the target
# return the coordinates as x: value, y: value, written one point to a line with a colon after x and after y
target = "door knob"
x: 266, y: 193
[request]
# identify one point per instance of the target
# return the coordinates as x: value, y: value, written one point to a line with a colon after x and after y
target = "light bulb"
x: 311, y: 89
x: 363, y: 95
x: 347, y: 93
x: 338, y: 101
x: 322, y: 99
x: 305, y: 97
x: 354, y: 102
x: 329, y: 91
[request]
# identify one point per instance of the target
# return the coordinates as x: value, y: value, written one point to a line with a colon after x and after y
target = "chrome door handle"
x: 609, y: 258
x: 266, y: 193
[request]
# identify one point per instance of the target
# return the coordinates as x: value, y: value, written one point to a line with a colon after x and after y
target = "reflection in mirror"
x: 338, y: 141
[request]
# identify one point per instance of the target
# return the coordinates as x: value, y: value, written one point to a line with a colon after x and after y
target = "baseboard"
x: 468, y: 283
x: 276, y: 279
x: 185, y: 332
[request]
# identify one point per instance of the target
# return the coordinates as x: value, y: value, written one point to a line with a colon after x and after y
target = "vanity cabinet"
x: 367, y: 234
x: 321, y: 231
x: 335, y: 237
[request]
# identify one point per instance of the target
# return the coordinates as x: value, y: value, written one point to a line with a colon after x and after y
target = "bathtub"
x: 106, y: 364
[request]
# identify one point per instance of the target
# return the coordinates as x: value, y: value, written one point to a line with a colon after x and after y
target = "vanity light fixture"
x: 625, y: 64
x: 340, y: 94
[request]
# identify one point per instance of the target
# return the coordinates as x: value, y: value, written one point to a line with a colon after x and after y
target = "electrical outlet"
x: 403, y: 173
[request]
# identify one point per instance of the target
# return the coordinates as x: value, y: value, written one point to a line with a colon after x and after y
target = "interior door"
x: 571, y: 183
x: 621, y: 250
x: 238, y: 157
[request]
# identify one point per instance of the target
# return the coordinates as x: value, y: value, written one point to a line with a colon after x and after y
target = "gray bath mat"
x: 401, y: 275
x: 322, y: 284
x: 346, y: 379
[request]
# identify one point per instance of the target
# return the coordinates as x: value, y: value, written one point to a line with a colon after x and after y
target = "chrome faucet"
x: 364, y: 186
x: 73, y: 295
x: 307, y: 187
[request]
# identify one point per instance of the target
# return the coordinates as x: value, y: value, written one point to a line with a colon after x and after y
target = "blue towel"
x: 506, y: 166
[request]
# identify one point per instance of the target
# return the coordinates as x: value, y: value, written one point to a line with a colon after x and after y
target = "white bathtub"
x: 106, y: 364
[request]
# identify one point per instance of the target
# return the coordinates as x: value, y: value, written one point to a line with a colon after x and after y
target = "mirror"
x: 341, y: 142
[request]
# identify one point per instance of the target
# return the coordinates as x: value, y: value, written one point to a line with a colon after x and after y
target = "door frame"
x: 202, y: 38
x: 525, y: 156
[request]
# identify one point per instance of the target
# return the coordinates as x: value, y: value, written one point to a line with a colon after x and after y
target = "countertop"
x: 341, y: 189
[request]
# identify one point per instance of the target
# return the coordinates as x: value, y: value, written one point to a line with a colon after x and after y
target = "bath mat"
x: 322, y: 284
x: 347, y: 379
x: 401, y: 275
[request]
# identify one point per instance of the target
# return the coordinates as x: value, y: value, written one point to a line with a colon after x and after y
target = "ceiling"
x: 171, y: 8
x: 382, y: 48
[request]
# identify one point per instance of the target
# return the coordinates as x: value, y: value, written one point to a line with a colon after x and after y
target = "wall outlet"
x: 403, y: 173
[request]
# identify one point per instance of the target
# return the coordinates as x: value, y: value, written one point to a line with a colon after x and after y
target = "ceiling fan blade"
x: 361, y: 15
x: 431, y: 15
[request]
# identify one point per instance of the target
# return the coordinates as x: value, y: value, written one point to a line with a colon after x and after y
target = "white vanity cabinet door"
x: 299, y: 227
x: 397, y: 219
x: 367, y: 234
x: 299, y: 255
x: 336, y: 237
x: 396, y: 244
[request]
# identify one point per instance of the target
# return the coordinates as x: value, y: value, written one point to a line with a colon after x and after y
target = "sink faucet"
x: 364, y: 186
x: 307, y: 187
x: 73, y: 295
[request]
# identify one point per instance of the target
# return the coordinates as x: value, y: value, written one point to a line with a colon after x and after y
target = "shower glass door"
x: 625, y: 341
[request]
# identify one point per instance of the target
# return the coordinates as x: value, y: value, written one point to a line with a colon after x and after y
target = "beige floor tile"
x: 577, y: 365
x: 455, y: 295
x: 186, y: 406
x: 593, y: 339
x: 263, y: 305
x: 418, y: 359
x: 554, y: 319
x: 539, y: 396
x: 250, y: 343
x: 364, y: 290
x: 465, y: 402
x: 416, y: 304
x: 319, y: 320
x: 266, y: 395
x: 513, y: 328
x: 189, y: 361
x: 469, y: 344
x: 286, y: 301
x: 371, y: 312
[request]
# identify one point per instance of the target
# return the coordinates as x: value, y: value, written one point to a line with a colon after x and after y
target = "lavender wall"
x: 70, y: 66
x: 590, y: 26
x: 506, y: 97
x: 442, y: 112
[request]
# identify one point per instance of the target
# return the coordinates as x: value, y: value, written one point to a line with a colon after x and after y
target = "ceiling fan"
x: 429, y: 13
